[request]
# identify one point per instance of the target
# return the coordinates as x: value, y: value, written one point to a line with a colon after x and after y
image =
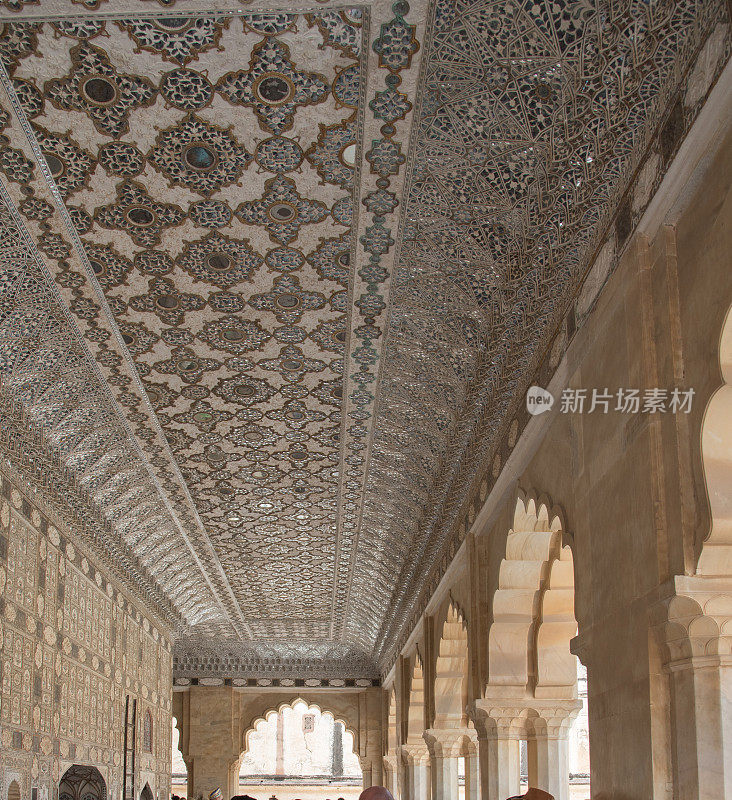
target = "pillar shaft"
x: 444, y: 775
x: 446, y: 747
x: 417, y: 783
x: 696, y: 631
x: 549, y: 768
x: 702, y: 698
x: 500, y: 766
x: 472, y: 776
x: 209, y: 773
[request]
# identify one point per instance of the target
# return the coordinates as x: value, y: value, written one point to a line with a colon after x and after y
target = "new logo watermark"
x: 602, y: 401
x: 538, y: 400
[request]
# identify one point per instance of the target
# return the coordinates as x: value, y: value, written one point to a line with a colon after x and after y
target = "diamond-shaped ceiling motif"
x: 203, y: 210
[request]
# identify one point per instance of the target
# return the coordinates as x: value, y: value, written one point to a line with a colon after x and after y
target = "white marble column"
x: 697, y: 633
x: 498, y: 749
x: 446, y: 746
x: 549, y: 747
x: 417, y: 771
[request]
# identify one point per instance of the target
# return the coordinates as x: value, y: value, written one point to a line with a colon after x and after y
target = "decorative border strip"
x: 284, y: 683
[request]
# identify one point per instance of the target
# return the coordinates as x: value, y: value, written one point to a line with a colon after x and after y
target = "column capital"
x: 694, y: 616
x: 450, y: 742
x: 391, y: 760
x: 513, y: 719
x: 416, y: 752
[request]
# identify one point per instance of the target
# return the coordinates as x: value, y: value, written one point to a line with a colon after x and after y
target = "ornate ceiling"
x: 261, y: 269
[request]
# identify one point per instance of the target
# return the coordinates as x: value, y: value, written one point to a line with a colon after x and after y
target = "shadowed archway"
x: 81, y: 782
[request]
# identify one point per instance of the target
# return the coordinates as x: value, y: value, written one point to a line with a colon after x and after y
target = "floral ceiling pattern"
x: 260, y: 267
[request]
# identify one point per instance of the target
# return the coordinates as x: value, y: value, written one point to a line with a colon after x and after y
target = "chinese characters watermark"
x: 602, y: 401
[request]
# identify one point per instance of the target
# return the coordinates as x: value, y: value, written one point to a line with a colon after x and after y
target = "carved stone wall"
x: 73, y: 647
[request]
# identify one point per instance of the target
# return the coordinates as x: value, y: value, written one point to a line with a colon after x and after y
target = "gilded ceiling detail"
x: 274, y: 279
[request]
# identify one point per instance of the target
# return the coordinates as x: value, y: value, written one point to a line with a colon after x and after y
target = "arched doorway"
x: 298, y: 750
x: 14, y: 791
x: 82, y: 783
x: 179, y: 778
x: 697, y: 629
x: 391, y: 759
x: 529, y: 658
x: 146, y: 793
x: 415, y: 754
x: 453, y: 739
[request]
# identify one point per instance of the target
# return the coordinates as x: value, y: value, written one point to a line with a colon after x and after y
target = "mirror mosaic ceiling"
x: 261, y: 269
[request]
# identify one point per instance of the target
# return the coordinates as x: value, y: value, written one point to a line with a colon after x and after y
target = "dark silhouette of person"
x: 376, y: 793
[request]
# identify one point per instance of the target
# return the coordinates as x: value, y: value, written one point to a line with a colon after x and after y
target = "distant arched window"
x: 147, y: 732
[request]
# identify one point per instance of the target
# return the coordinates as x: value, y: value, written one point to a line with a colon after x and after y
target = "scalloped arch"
x: 715, y: 557
x: 533, y: 606
x: 415, y: 711
x: 451, y: 671
x: 275, y: 709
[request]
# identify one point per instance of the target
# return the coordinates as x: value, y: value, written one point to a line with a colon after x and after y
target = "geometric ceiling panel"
x: 292, y: 251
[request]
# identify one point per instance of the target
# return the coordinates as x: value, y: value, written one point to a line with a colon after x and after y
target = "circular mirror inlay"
x: 199, y: 157
x: 188, y: 365
x: 153, y: 396
x: 259, y: 473
x: 167, y: 301
x: 341, y: 336
x: 140, y: 216
x: 232, y: 334
x: 295, y: 415
x: 55, y: 164
x: 203, y: 416
x: 287, y: 301
x: 99, y: 91
x: 291, y: 364
x: 274, y: 88
x: 97, y: 267
x: 127, y: 339
x: 337, y: 392
x: 298, y: 455
x: 216, y: 455
x: 543, y: 91
x: 245, y: 390
x: 299, y: 489
x: 221, y: 262
x: 344, y: 259
x: 253, y: 436
x: 281, y: 212
x: 348, y: 155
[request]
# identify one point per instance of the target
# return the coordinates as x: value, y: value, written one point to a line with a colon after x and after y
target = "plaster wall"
x: 73, y: 647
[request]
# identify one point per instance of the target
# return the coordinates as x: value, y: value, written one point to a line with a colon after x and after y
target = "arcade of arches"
x: 274, y: 287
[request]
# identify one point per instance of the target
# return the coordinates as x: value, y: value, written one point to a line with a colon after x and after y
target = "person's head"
x: 376, y: 793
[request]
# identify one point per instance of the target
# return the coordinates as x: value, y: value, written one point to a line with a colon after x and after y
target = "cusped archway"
x: 451, y: 672
x: 531, y: 695
x: 533, y: 543
x: 416, y: 710
x: 299, y: 739
x: 715, y: 557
